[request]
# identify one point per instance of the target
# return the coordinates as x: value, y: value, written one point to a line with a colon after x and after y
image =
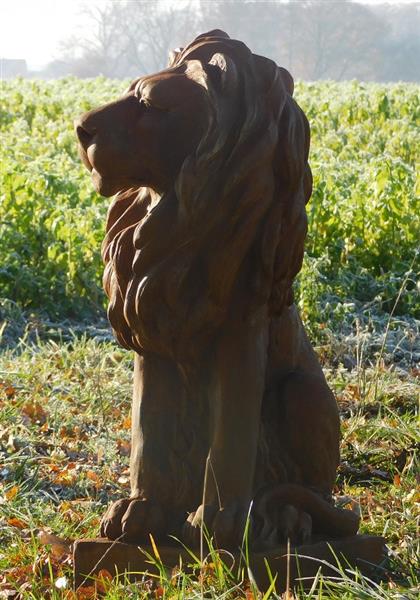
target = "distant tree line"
x: 314, y: 39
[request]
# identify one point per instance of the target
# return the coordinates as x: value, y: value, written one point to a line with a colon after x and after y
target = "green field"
x: 363, y: 224
x: 364, y: 220
x: 65, y: 387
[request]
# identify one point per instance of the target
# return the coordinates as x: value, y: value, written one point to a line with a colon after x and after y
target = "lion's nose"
x: 84, y: 135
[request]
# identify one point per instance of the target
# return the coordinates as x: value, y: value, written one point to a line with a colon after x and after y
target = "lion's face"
x: 143, y: 138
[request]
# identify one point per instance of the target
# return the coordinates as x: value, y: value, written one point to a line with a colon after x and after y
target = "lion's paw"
x: 132, y: 520
x: 289, y: 524
x: 294, y: 525
x: 225, y: 525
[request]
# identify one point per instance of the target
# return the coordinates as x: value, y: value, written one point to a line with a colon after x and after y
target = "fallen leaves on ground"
x: 11, y: 493
x: 16, y: 522
x: 59, y: 546
x: 34, y: 412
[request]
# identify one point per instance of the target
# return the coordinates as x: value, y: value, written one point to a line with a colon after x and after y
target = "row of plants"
x: 363, y: 218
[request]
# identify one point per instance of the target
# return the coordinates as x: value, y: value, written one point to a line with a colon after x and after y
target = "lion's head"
x: 209, y: 159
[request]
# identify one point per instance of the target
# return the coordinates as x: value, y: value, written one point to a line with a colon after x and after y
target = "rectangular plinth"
x: 361, y: 551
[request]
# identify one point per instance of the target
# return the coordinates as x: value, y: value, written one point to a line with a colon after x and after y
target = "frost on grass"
x: 65, y: 440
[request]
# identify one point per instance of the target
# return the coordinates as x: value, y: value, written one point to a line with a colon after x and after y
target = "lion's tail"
x: 326, y: 518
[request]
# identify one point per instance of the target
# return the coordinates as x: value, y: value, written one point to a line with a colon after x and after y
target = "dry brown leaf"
x: 126, y: 424
x: 12, y: 493
x: 85, y: 502
x: 35, y: 412
x: 65, y: 432
x: 93, y: 476
x: 65, y: 477
x: 59, y: 546
x: 10, y: 391
x: 54, y: 467
x: 16, y: 522
x: 79, y: 433
x: 86, y: 593
x: 19, y: 574
x: 124, y: 447
x: 104, y: 581
x: 70, y: 514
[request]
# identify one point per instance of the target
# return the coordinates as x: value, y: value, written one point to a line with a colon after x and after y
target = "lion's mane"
x: 228, y: 238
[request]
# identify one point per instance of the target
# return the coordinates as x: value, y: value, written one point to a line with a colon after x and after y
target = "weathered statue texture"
x: 209, y: 163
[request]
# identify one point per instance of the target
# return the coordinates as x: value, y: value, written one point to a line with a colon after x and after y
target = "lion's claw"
x: 290, y: 524
x: 294, y: 525
x: 132, y: 520
x: 110, y: 526
x: 225, y: 525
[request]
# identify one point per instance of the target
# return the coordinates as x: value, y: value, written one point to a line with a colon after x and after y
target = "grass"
x: 65, y: 396
x: 64, y: 445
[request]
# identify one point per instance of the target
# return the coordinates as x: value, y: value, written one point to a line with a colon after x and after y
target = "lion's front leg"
x: 239, y: 380
x: 154, y: 475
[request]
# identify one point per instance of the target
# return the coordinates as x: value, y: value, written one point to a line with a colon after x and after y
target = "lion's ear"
x: 173, y: 56
x: 222, y: 72
x: 214, y: 33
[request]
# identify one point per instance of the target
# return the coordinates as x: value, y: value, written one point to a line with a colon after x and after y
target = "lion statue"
x: 232, y: 417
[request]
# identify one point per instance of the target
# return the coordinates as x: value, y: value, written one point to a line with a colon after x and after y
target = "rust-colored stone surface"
x: 128, y: 560
x: 209, y: 163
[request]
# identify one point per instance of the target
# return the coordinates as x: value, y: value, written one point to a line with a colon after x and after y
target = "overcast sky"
x: 32, y: 29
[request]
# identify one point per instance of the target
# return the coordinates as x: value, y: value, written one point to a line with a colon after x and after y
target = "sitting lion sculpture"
x: 232, y: 417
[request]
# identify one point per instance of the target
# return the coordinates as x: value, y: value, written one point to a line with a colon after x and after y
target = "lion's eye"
x: 145, y: 103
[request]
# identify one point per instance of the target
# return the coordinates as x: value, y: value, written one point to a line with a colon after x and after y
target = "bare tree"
x: 336, y: 40
x: 314, y: 39
x: 256, y: 23
x: 153, y: 29
x: 101, y: 50
x: 401, y: 49
x: 129, y: 38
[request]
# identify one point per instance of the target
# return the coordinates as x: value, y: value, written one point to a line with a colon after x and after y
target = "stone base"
x: 126, y: 560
